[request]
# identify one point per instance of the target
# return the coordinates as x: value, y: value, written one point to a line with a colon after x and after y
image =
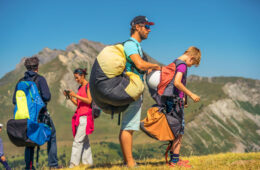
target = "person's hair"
x: 31, y: 63
x: 81, y: 71
x: 132, y: 31
x: 195, y: 53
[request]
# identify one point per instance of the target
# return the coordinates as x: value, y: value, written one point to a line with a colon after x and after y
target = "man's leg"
x: 122, y: 147
x: 52, y: 148
x: 126, y: 141
x: 130, y: 123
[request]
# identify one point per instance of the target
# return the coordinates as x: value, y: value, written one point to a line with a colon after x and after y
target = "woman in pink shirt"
x: 82, y: 121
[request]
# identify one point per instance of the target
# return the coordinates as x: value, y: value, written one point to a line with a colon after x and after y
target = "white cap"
x: 1, y: 125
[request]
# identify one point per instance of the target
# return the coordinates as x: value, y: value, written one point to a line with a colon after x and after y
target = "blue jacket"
x: 41, y: 85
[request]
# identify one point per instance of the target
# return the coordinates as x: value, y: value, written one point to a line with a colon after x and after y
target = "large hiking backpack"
x: 24, y: 129
x: 164, y: 119
x: 111, y: 87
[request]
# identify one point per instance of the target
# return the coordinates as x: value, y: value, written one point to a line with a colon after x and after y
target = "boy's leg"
x: 175, y: 151
x: 176, y: 146
x: 52, y: 148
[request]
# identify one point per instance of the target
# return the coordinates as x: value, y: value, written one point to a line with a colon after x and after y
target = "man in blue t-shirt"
x: 137, y: 63
x: 2, y: 157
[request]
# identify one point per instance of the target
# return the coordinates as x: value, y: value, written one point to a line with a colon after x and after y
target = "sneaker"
x: 185, y: 161
x: 72, y: 165
x: 180, y: 164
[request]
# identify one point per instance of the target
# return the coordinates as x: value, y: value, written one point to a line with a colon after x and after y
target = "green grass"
x: 223, y: 161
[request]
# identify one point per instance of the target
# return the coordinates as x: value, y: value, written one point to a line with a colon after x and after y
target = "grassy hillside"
x: 227, y: 161
x: 106, y: 155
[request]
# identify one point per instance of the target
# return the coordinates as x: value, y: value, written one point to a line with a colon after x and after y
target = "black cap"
x: 140, y: 20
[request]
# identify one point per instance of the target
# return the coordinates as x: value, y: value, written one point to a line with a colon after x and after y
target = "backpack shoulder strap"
x: 144, y: 56
x: 79, y: 87
x: 179, y: 62
x: 35, y: 78
x: 87, y: 88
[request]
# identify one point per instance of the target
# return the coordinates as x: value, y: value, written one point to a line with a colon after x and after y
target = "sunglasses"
x: 147, y: 27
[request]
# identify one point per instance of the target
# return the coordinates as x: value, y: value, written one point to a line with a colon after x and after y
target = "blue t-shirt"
x: 130, y: 48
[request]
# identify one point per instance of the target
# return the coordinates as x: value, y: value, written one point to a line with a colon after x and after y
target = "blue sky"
x: 226, y: 31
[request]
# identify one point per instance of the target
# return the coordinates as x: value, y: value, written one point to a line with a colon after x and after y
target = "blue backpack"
x: 25, y: 129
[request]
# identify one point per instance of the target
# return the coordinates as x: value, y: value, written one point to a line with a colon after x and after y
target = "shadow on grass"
x: 110, y: 165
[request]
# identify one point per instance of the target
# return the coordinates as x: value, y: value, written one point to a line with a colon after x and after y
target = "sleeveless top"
x: 83, y: 108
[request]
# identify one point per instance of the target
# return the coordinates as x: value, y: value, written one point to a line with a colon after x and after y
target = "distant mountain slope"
x: 226, y: 119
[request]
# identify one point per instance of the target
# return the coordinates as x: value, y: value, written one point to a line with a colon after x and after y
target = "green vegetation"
x: 103, y: 153
x: 224, y: 161
x: 250, y: 108
x: 208, y: 92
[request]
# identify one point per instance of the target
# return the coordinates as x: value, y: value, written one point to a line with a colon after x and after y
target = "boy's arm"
x: 180, y: 86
